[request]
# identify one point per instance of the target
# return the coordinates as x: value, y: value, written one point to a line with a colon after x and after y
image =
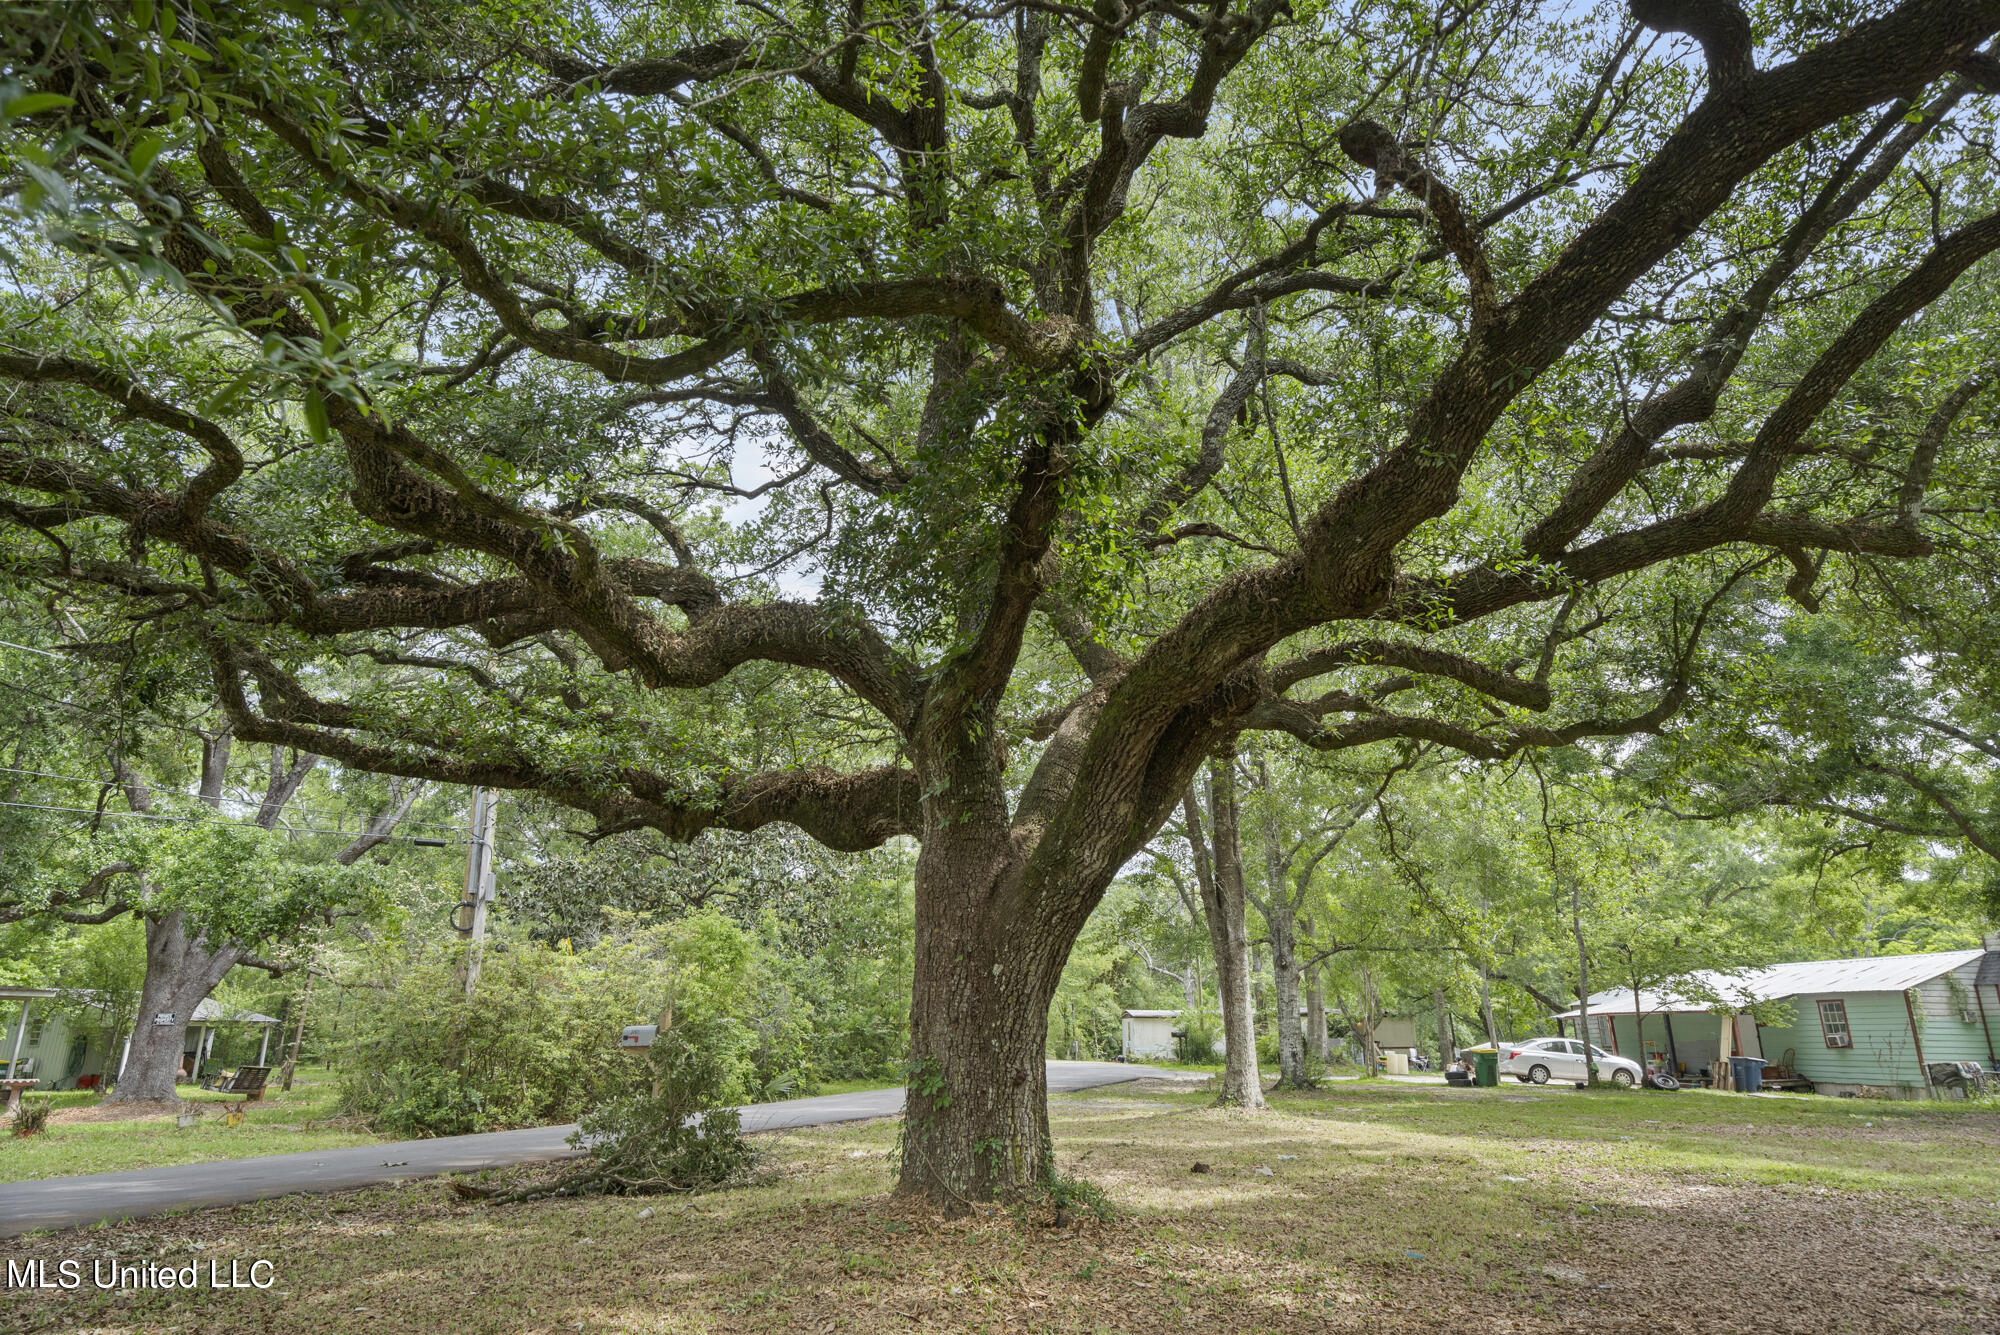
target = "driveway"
x: 70, y: 1202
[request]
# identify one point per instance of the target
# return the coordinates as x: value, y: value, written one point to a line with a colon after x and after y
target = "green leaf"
x: 316, y: 424
x: 30, y: 103
x: 317, y: 311
x: 143, y: 153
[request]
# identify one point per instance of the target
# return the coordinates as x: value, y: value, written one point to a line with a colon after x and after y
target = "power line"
x: 291, y: 829
x: 308, y: 812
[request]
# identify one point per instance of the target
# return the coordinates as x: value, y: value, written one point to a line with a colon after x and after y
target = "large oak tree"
x: 1131, y: 376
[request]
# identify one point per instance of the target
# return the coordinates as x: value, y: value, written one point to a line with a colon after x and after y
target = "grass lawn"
x: 1376, y: 1207
x: 279, y: 1123
x: 852, y: 1086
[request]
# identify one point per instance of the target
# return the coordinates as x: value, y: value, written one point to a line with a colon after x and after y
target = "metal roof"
x: 1150, y: 1015
x: 208, y: 1012
x: 1989, y: 970
x: 1879, y: 973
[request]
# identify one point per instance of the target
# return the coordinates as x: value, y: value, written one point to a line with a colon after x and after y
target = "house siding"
x: 50, y: 1049
x: 1949, y: 1022
x: 1884, y: 1052
x: 1947, y: 1035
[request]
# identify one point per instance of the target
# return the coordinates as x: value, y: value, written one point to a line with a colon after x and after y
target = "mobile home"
x: 1874, y: 1027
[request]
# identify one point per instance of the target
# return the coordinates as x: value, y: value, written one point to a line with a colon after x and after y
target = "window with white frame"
x: 1833, y: 1024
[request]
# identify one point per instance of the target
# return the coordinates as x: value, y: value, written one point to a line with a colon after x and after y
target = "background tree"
x: 1225, y: 901
x: 1300, y: 829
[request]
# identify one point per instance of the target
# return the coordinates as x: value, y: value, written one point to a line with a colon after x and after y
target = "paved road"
x: 68, y: 1202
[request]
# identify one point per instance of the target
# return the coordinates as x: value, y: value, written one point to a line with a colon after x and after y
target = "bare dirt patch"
x: 118, y: 1112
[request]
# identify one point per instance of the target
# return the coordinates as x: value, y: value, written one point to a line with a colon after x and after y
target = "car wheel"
x: 1622, y: 1079
x: 1538, y: 1075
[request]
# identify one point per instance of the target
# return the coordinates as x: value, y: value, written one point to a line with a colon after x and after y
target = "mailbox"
x: 638, y: 1036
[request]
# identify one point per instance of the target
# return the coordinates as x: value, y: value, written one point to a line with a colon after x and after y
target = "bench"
x: 245, y: 1080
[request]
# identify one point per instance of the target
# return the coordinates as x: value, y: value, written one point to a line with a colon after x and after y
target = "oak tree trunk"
x: 975, y: 1121
x: 1281, y: 924
x: 181, y: 970
x: 1371, y: 1052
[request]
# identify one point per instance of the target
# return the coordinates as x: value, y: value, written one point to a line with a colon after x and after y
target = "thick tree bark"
x: 975, y: 1124
x: 181, y: 970
x: 1293, y: 1072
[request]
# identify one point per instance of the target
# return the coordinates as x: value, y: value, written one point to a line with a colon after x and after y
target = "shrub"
x: 31, y: 1118
x: 538, y: 1044
x: 675, y: 1137
x: 1194, y: 1041
x: 415, y: 1101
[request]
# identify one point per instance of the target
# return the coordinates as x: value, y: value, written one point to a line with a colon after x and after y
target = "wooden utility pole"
x: 478, y: 884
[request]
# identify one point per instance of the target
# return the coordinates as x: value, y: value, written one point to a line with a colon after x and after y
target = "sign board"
x: 165, y: 1018
x: 638, y: 1036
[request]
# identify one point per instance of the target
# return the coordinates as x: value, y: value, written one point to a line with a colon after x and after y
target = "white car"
x: 1540, y: 1060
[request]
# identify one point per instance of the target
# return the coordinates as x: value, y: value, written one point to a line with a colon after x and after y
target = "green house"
x: 41, y: 1042
x: 1884, y: 1027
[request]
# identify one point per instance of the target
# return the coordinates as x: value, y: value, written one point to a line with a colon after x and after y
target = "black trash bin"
x: 1748, y: 1073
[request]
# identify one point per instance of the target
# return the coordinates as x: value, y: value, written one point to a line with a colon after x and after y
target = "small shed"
x: 1871, y: 1026
x: 1145, y: 1035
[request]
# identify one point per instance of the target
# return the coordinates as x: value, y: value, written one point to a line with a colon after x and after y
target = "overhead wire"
x: 155, y: 815
x: 249, y: 800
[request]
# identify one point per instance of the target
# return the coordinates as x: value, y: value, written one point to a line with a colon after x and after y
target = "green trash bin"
x: 1486, y: 1068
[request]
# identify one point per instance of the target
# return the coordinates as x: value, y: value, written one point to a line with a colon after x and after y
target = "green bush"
x: 418, y: 1101
x: 538, y: 1043
x: 1194, y: 1041
x: 676, y: 1136
x: 31, y: 1117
